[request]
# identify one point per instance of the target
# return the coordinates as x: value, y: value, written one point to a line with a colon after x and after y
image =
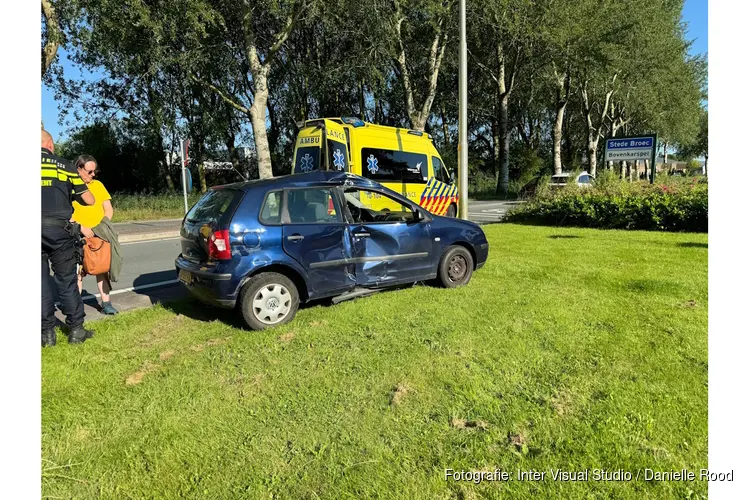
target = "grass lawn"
x: 571, y: 349
x: 131, y: 207
x: 136, y: 207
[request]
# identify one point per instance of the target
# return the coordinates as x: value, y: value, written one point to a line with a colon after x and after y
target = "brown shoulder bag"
x: 96, y: 256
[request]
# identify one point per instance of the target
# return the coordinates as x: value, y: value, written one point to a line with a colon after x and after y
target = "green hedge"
x: 671, y: 205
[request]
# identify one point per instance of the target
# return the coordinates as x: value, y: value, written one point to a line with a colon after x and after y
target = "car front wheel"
x: 455, y: 267
x: 268, y: 300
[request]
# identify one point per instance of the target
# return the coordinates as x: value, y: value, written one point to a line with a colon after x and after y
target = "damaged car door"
x: 315, y: 235
x: 391, y: 240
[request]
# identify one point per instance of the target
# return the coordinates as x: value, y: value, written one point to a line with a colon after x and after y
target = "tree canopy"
x: 547, y: 79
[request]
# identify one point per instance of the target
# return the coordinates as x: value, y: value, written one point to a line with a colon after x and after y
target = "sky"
x: 694, y: 13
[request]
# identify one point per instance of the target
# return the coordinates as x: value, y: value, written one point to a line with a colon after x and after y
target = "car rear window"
x: 559, y: 179
x: 214, y: 206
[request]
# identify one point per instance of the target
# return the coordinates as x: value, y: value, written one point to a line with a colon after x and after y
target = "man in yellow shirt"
x: 90, y: 216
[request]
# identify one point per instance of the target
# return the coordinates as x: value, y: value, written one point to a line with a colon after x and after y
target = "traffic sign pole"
x: 653, y: 162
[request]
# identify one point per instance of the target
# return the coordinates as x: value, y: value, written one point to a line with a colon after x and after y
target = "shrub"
x: 674, y: 205
x: 481, y: 183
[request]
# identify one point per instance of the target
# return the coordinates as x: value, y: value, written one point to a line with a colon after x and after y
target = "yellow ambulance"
x: 403, y: 160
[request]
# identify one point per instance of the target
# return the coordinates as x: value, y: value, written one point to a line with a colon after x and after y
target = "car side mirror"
x: 417, y: 215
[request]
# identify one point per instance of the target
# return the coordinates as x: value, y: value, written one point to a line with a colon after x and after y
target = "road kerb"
x: 125, y: 238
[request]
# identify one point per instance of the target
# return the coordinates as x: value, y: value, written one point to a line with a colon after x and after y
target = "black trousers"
x: 60, y: 248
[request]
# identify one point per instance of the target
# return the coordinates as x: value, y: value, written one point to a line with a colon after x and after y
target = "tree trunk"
x: 503, y: 101
x: 666, y: 155
x: 557, y: 135
x: 502, y: 178
x: 567, y: 141
x: 156, y: 123
x: 362, y: 114
x: 167, y: 167
x: 49, y: 51
x: 418, y: 118
x: 446, y: 135
x: 202, y: 177
x: 495, y: 149
x: 563, y: 90
x: 594, y: 130
x: 591, y: 145
x: 258, y: 120
x: 623, y: 171
x: 273, y: 138
x: 232, y: 151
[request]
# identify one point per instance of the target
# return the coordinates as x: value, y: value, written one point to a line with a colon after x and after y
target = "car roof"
x: 568, y: 174
x: 310, y: 179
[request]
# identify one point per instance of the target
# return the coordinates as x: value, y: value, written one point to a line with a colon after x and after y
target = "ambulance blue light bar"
x: 354, y: 122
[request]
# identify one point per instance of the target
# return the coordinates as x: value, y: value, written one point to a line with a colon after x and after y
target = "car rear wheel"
x: 451, y: 211
x: 268, y: 300
x: 456, y: 267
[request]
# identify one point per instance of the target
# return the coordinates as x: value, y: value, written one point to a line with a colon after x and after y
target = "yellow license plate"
x: 185, y: 277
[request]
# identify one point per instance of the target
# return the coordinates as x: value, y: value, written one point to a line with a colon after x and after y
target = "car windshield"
x: 351, y: 198
x: 559, y: 179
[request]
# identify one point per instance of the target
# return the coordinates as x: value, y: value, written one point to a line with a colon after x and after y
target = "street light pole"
x: 463, y: 149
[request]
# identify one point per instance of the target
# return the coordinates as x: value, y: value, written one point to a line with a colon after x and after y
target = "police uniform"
x: 60, y: 247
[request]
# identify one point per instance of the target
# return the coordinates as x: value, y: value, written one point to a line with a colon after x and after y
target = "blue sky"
x: 694, y: 13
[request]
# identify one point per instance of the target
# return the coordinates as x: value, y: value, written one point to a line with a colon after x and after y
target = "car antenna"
x: 239, y: 173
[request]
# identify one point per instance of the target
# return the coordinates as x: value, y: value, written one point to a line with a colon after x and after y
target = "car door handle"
x: 295, y: 237
x: 362, y: 235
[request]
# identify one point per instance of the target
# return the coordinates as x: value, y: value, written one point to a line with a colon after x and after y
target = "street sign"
x: 185, y: 152
x: 218, y: 165
x: 634, y: 148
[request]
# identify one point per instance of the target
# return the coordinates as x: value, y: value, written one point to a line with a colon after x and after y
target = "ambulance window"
x: 439, y: 170
x: 384, y: 165
x: 308, y: 159
x: 337, y: 156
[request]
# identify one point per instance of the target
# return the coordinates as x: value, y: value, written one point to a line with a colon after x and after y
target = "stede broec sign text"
x: 632, y: 149
x: 632, y: 143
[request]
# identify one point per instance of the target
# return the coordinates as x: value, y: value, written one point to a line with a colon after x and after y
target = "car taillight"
x: 218, y: 245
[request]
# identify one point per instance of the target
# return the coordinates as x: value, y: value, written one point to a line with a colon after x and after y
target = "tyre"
x: 268, y: 300
x: 455, y: 267
x: 451, y: 211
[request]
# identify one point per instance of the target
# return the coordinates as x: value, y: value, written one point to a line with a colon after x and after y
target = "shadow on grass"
x: 692, y: 244
x: 648, y: 286
x: 563, y: 236
x: 197, y: 310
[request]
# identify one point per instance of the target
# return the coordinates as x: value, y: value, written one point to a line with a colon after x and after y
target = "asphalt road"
x: 484, y: 212
x: 145, y: 263
x: 148, y: 274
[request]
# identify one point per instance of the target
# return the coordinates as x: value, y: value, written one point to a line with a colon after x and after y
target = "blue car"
x: 266, y: 246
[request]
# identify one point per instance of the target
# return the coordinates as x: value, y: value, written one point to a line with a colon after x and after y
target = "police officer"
x: 61, y: 243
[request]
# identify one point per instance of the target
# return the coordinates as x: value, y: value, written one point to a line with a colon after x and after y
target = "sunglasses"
x: 91, y: 172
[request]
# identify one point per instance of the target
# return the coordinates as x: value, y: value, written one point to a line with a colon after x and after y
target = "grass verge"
x: 134, y: 207
x: 571, y: 349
